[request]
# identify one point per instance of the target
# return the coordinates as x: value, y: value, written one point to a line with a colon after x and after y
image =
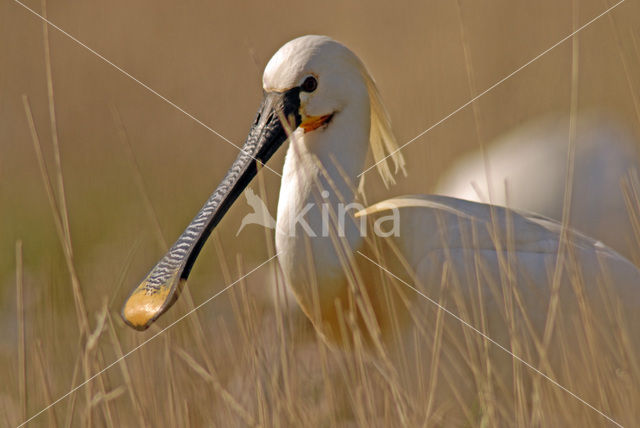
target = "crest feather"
x: 384, y: 146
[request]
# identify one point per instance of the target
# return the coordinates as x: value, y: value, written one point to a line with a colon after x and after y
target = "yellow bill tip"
x: 144, y: 306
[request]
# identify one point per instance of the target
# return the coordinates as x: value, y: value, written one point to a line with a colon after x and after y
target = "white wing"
x: 495, y: 252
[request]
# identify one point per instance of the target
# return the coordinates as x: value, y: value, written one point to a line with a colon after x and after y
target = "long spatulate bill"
x: 160, y: 288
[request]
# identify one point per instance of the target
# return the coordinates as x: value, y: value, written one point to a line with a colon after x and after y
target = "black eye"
x: 310, y: 84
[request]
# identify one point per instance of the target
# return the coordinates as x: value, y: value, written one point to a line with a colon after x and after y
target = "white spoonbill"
x: 438, y: 244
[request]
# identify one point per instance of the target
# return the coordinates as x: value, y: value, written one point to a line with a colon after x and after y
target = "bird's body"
x: 488, y: 263
x: 490, y: 252
x: 434, y: 231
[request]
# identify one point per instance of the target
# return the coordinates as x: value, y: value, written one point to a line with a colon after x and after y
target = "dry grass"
x: 247, y: 359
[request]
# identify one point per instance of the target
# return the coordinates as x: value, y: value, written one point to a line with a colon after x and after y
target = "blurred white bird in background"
x: 527, y: 168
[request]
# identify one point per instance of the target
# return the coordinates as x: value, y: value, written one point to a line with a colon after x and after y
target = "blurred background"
x: 136, y: 169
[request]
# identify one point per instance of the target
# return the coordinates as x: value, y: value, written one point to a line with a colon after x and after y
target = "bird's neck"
x: 317, y: 194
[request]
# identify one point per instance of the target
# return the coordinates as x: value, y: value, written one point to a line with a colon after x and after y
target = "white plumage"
x: 445, y: 242
x: 508, y: 281
x: 503, y: 271
x: 527, y: 167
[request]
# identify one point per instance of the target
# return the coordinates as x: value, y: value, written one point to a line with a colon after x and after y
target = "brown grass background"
x: 207, y: 57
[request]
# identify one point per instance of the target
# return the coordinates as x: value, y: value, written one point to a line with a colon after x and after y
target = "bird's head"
x: 324, y: 74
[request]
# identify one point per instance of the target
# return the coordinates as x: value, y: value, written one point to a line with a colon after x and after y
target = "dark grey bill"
x: 160, y: 288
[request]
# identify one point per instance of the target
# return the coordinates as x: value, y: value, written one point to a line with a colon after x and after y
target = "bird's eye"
x: 310, y: 84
